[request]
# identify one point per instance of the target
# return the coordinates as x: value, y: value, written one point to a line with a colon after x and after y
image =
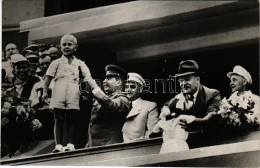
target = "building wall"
x: 15, y: 11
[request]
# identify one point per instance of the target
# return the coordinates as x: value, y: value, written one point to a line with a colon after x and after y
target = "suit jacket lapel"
x: 136, y: 110
x: 199, y: 104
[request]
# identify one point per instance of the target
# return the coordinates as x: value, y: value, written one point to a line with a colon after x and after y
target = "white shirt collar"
x: 66, y: 60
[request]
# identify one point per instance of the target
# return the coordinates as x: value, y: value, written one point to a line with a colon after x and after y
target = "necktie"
x: 191, y: 98
x: 189, y: 101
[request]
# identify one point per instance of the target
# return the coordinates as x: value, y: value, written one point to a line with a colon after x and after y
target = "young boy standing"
x: 66, y: 94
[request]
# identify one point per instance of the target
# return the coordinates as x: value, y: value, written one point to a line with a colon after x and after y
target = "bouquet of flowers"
x: 19, y: 128
x: 239, y: 110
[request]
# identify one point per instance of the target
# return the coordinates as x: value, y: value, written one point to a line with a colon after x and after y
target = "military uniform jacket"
x: 107, y: 118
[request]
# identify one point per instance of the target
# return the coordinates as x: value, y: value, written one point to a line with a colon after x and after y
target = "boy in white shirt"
x: 65, y: 94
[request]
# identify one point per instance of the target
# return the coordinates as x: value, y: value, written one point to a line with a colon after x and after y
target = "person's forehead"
x: 68, y: 39
x: 131, y: 83
x: 111, y: 78
x: 10, y: 46
x: 236, y: 76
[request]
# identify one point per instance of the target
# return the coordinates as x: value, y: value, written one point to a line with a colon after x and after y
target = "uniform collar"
x: 115, y: 92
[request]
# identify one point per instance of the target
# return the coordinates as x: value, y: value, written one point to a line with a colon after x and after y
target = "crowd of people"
x: 49, y: 78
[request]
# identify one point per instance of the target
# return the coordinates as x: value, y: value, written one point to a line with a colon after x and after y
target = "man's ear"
x: 120, y: 82
x: 244, y: 82
x: 141, y: 89
x: 198, y: 79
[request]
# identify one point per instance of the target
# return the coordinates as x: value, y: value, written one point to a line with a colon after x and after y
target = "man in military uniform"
x: 110, y: 108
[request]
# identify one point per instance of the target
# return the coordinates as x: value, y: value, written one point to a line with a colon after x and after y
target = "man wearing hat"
x: 240, y: 80
x: 33, y: 59
x: 109, y: 109
x: 143, y: 115
x: 195, y: 99
x: 33, y: 47
x: 42, y: 108
x: 22, y: 81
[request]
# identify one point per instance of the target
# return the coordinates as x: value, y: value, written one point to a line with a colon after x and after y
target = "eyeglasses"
x: 131, y: 86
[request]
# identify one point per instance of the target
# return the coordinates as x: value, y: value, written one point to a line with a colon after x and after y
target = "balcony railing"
x: 229, y: 147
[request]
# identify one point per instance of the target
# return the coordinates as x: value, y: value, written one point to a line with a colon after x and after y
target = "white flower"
x: 7, y: 105
x: 20, y: 109
x: 233, y: 98
x: 224, y: 106
x: 244, y: 104
x: 4, y: 111
x: 36, y: 124
x: 250, y: 118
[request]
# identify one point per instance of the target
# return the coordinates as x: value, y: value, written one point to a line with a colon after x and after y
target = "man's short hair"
x: 69, y: 36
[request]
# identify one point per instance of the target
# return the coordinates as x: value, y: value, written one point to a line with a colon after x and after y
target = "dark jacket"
x: 107, y: 118
x: 207, y: 100
x: 27, y: 88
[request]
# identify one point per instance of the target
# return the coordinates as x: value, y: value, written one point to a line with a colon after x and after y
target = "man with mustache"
x: 195, y: 99
x: 110, y: 108
x: 143, y: 115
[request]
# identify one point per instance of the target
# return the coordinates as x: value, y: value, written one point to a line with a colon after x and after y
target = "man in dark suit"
x: 110, y: 108
x: 195, y: 99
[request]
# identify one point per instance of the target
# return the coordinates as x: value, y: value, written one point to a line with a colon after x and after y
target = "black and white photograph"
x: 131, y: 83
